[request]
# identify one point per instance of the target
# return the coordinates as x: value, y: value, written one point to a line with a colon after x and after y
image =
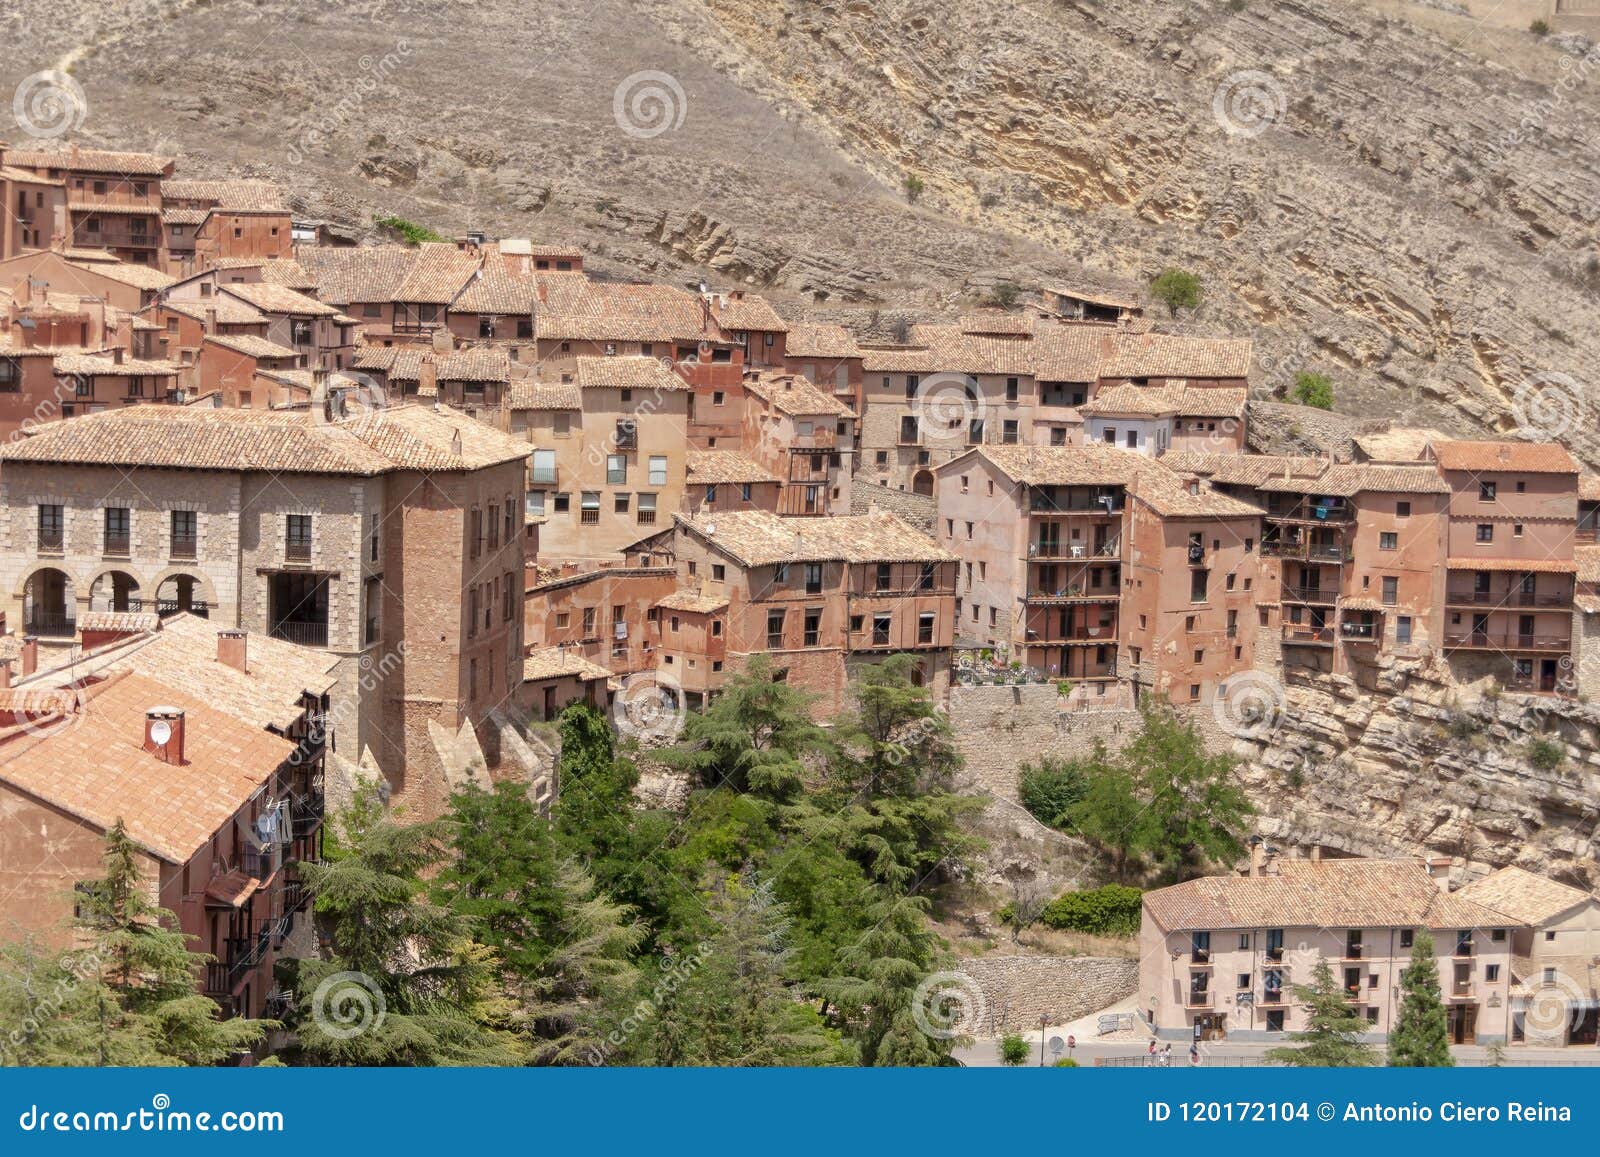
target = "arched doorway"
x: 49, y: 604
x: 923, y: 482
x: 181, y: 594
x: 114, y: 590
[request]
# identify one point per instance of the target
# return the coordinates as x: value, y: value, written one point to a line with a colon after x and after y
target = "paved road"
x: 986, y: 1053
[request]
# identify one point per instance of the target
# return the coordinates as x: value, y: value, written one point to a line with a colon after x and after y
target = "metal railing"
x: 118, y: 544
x: 51, y: 625
x: 184, y: 546
x: 1506, y: 642
x: 303, y: 633
x: 1321, y: 552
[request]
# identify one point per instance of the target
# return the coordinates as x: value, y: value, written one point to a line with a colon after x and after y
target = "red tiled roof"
x: 1505, y: 457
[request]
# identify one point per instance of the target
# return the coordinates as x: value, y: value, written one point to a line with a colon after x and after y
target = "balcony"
x: 297, y: 550
x: 1352, y: 951
x: 1298, y: 634
x: 1200, y: 957
x: 1323, y: 596
x: 1105, y: 506
x: 1484, y: 641
x: 51, y: 541
x: 1360, y: 632
x: 1463, y: 990
x: 118, y: 545
x: 1197, y: 999
x: 1330, y: 553
x: 1323, y: 512
x: 51, y: 625
x: 305, y: 634
x: 1272, y: 996
x: 1508, y: 598
x: 184, y: 547
x: 1076, y: 593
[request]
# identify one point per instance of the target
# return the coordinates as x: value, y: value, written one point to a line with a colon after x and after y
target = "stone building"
x: 1219, y: 956
x: 393, y: 541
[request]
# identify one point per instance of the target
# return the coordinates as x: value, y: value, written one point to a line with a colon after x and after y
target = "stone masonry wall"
x: 1017, y: 989
x: 917, y: 509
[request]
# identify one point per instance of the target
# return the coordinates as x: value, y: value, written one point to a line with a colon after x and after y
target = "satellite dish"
x: 161, y: 731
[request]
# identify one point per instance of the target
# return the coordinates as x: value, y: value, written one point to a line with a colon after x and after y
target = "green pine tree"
x: 566, y: 949
x: 1421, y: 1036
x: 406, y: 983
x: 876, y: 993
x: 1332, y: 1036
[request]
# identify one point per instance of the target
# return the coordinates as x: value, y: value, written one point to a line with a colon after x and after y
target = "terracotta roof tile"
x: 820, y: 341
x: 694, y: 602
x: 1068, y: 353
x: 1399, y: 444
x: 1166, y: 494
x: 86, y: 366
x: 139, y: 276
x: 495, y: 291
x: 750, y: 312
x: 269, y: 297
x: 759, y: 537
x: 558, y: 663
x: 230, y: 310
x: 1090, y: 465
x: 627, y: 373
x: 1321, y: 894
x: 1531, y: 899
x: 955, y: 351
x: 1519, y: 565
x: 526, y: 395
x: 251, y: 346
x: 242, y: 195
x: 95, y: 767
x: 1505, y: 457
x: 713, y: 467
x: 795, y: 395
x: 1588, y: 562
x: 91, y: 161
x: 1179, y: 400
x: 1153, y: 355
x: 438, y: 273
x: 364, y: 273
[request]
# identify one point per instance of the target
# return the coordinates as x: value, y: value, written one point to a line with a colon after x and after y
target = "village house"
x: 35, y: 211
x: 318, y: 332
x: 826, y: 356
x: 804, y: 436
x: 820, y: 597
x: 1555, y: 956
x: 1155, y: 419
x: 207, y: 222
x: 554, y: 678
x: 113, y: 199
x: 222, y: 809
x: 1219, y: 956
x: 1510, y: 582
x: 1084, y: 304
x: 393, y: 541
x: 718, y: 480
x: 605, y: 615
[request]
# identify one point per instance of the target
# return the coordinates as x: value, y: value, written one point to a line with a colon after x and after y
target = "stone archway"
x: 49, y: 603
x: 181, y: 592
x: 114, y: 590
x: 922, y: 483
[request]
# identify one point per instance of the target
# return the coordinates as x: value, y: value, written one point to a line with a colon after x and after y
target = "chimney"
x: 30, y: 655
x: 5, y: 674
x: 443, y: 343
x: 163, y: 734
x: 428, y: 377
x: 73, y: 153
x: 233, y: 649
x: 1258, y: 855
x: 211, y: 319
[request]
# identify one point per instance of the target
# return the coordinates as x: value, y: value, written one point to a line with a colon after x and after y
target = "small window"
x: 719, y: 572
x: 1486, y: 491
x: 1388, y: 540
x: 1402, y: 509
x: 1491, y: 973
x: 1485, y: 532
x: 1406, y: 937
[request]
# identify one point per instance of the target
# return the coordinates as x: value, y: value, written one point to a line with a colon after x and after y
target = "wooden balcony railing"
x: 1484, y: 640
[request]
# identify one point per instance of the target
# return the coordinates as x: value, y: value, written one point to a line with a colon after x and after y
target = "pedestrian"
x: 1152, y: 1051
x: 1166, y: 1057
x: 1194, y: 1054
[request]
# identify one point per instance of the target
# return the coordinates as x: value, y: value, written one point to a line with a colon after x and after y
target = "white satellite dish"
x: 161, y: 731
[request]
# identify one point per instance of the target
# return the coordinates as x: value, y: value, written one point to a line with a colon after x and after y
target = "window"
x: 1243, y: 981
x: 118, y: 539
x: 1402, y: 509
x: 1230, y: 582
x: 912, y: 382
x: 1008, y: 432
x: 510, y: 526
x: 619, y: 503
x: 658, y: 470
x: 1197, y: 585
x: 1549, y: 973
x: 1388, y: 540
x: 1486, y: 491
x: 711, y: 495
x: 744, y: 492
x: 880, y: 629
x: 1274, y: 1020
x: 544, y: 466
x: 1194, y: 692
x: 1406, y: 937
x: 50, y: 527
x: 1391, y: 590
x: 925, y: 622
x: 10, y: 375
x: 908, y: 428
x: 494, y: 525
x: 472, y: 612
x: 813, y: 626
x: 1498, y: 936
x: 563, y: 503
x: 813, y: 578
x: 925, y: 579
x: 589, y: 508
x: 588, y: 622
x: 881, y: 458
x: 775, y: 630
x: 1485, y: 532
x: 563, y: 619
x: 616, y: 469
x: 1516, y: 530
x: 185, y: 534
x: 1402, y: 630
x: 297, y: 538
x: 1011, y: 389
x: 369, y: 601
x: 719, y: 572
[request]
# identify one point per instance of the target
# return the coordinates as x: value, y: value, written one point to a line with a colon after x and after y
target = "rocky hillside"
x: 1394, y: 193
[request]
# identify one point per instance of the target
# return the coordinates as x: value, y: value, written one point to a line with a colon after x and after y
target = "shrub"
x: 1005, y: 294
x: 1065, y: 1063
x: 1176, y: 288
x: 1546, y: 754
x: 413, y: 233
x: 1540, y: 28
x: 1112, y: 910
x: 1051, y: 788
x: 914, y: 186
x: 1013, y: 1050
x: 1313, y: 390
